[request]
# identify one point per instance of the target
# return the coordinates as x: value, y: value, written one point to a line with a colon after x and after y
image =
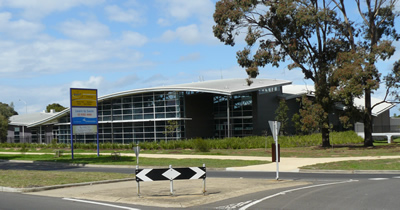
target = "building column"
x: 40, y: 134
x: 228, y: 117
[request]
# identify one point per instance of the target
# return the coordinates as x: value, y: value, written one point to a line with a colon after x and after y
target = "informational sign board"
x: 85, y: 129
x: 83, y: 97
x: 83, y: 114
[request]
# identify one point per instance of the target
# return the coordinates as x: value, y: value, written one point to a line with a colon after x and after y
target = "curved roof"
x: 223, y: 87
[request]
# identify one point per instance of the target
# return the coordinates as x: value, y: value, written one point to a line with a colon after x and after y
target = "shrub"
x: 201, y: 145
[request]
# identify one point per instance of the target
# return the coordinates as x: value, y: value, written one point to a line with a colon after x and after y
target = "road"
x: 327, y: 191
x: 351, y: 194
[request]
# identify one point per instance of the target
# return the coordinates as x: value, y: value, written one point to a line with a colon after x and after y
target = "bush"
x: 201, y: 145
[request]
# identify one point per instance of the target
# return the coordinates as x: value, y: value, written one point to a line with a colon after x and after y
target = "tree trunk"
x: 325, y: 137
x: 368, y: 141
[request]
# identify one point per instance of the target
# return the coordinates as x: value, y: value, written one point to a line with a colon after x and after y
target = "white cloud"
x: 93, y: 82
x: 36, y: 9
x: 163, y: 22
x: 20, y: 28
x: 133, y: 38
x: 115, y: 13
x: 190, y: 34
x: 89, y: 30
x: 183, y: 9
x: 55, y: 56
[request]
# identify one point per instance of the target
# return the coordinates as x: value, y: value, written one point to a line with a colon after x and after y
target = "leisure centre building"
x: 208, y: 109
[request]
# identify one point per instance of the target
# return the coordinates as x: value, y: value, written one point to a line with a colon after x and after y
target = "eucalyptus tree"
x: 371, y: 40
x: 306, y: 32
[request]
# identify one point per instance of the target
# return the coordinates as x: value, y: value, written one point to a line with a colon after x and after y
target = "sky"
x: 50, y: 46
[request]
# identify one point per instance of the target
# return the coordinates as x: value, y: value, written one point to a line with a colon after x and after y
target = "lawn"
x: 124, y: 160
x: 31, y: 178
x: 381, y: 164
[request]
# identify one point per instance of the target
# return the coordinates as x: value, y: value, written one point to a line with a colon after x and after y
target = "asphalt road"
x: 351, y: 194
x: 210, y: 173
x: 327, y: 191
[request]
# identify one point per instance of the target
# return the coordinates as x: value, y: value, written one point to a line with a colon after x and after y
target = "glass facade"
x: 149, y: 117
x: 133, y: 119
x: 240, y: 115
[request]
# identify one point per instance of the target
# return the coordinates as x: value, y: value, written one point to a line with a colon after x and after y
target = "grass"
x: 381, y: 164
x: 31, y: 178
x: 124, y: 160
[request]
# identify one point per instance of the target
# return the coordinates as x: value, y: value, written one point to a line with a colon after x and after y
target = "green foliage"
x: 281, y: 115
x: 7, y: 110
x: 3, y: 128
x: 55, y: 106
x: 204, y: 145
x: 24, y: 148
x: 201, y: 145
x: 171, y: 127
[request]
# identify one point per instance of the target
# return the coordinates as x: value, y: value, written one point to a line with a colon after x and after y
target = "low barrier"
x: 163, y: 174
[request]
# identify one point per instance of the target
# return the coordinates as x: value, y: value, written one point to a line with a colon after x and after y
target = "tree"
x: 281, y: 115
x: 171, y: 127
x: 3, y: 128
x: 308, y: 120
x: 392, y: 81
x: 6, y: 112
x: 357, y: 71
x: 55, y: 106
x: 305, y: 31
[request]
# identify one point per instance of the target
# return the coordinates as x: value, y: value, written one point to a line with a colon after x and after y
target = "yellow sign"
x: 81, y: 97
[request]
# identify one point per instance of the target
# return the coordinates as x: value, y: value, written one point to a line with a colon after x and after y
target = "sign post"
x: 137, y: 151
x: 275, y: 126
x: 83, y: 114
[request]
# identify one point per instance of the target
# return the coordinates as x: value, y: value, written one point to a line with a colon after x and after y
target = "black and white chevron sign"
x: 148, y: 175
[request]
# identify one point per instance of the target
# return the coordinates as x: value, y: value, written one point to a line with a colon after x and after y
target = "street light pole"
x: 26, y: 110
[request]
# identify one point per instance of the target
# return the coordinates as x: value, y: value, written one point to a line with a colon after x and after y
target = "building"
x: 208, y: 109
x: 201, y: 109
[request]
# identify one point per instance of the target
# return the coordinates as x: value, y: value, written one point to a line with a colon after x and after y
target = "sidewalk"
x: 286, y: 164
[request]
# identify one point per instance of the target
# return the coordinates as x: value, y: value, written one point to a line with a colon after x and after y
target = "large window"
x: 240, y: 115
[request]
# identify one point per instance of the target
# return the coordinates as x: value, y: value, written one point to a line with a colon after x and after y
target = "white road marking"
x: 396, y: 177
x: 98, y: 203
x: 292, y: 190
x: 378, y: 179
x: 234, y: 206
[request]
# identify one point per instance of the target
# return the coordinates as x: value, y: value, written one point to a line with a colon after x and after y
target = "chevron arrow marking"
x: 142, y: 175
x: 199, y: 172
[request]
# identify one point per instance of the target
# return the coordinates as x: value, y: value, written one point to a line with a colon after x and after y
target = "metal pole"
x: 276, y: 150
x: 204, y: 182
x: 138, y: 184
x: 172, y: 182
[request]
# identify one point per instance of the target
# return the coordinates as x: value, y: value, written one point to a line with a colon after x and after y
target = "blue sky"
x: 49, y: 46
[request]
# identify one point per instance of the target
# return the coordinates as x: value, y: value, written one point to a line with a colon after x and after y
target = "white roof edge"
x: 49, y: 118
x: 188, y: 87
x: 391, y: 105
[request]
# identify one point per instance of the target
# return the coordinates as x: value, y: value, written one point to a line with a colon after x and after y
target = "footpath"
x: 189, y: 193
